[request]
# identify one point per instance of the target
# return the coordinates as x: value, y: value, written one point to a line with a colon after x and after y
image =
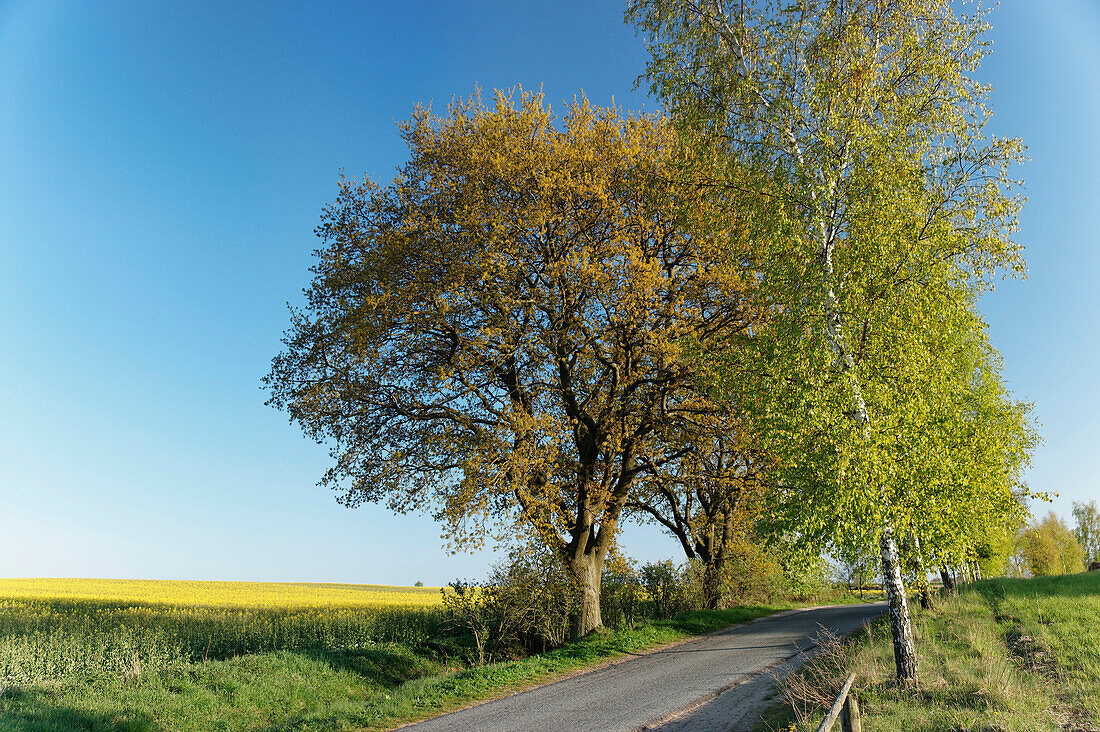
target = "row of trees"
x: 1044, y: 547
x: 754, y: 318
x: 885, y: 210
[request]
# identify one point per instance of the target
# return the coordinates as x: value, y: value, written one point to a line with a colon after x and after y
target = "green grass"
x: 373, y: 687
x: 1053, y: 624
x: 1003, y: 655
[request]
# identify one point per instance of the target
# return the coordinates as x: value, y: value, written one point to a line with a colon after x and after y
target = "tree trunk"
x: 905, y: 653
x: 926, y: 602
x: 712, y: 584
x: 587, y: 571
x: 717, y: 549
x: 945, y: 577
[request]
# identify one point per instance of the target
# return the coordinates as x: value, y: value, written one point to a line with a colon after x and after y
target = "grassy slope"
x: 1053, y: 624
x: 1003, y: 655
x: 374, y: 689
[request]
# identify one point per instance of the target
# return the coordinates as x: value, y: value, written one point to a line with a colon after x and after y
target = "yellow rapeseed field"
x: 222, y: 594
x: 76, y: 628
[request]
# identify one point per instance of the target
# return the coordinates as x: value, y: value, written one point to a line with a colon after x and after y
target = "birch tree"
x: 965, y: 482
x: 887, y: 208
x: 980, y: 441
x: 505, y: 333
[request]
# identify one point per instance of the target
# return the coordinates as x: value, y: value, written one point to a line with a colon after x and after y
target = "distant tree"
x: 858, y: 568
x: 1050, y: 548
x: 508, y: 330
x: 418, y: 584
x: 1088, y: 529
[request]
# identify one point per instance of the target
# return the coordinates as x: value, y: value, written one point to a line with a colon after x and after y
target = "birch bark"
x: 905, y: 653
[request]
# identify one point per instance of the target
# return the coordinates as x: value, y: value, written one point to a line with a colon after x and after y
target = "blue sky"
x: 162, y: 168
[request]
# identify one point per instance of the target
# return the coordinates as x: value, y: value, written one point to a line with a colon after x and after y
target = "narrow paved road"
x: 716, y: 682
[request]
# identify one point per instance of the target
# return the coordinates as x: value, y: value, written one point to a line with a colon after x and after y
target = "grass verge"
x: 376, y: 688
x: 1003, y: 655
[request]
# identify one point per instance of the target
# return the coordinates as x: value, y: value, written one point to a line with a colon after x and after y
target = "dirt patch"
x: 1037, y: 660
x: 1031, y: 655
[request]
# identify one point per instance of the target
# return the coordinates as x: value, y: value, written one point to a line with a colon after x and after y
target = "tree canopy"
x: 508, y: 333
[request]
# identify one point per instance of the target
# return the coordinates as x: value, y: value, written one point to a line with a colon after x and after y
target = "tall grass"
x: 1052, y: 625
x: 1003, y: 655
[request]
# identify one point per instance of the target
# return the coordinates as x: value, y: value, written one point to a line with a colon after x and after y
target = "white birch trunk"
x: 901, y: 628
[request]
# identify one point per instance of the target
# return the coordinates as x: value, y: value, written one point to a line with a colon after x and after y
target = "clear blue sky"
x: 161, y: 171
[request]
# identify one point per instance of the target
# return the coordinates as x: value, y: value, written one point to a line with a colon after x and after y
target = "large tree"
x: 507, y: 333
x: 887, y: 209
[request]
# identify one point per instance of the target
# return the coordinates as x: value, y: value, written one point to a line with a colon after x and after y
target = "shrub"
x: 673, y: 589
x: 532, y: 586
x: 523, y: 607
x: 622, y: 597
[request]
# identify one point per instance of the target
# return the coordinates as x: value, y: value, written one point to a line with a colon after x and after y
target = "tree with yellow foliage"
x: 507, y: 333
x: 1049, y: 548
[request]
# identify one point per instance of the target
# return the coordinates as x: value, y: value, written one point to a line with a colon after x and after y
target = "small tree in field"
x: 507, y: 332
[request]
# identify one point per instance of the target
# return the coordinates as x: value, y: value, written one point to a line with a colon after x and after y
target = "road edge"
x: 614, y: 661
x: 800, y: 656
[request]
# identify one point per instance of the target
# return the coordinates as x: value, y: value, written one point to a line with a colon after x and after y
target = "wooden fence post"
x: 849, y: 718
x: 841, y: 704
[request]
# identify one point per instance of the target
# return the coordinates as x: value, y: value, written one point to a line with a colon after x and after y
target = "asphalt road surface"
x: 717, y: 682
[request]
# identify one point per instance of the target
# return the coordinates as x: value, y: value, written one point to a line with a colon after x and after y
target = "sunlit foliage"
x: 891, y: 208
x: 506, y: 332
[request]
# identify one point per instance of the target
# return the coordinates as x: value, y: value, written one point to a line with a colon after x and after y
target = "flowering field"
x: 51, y: 628
x: 222, y: 594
